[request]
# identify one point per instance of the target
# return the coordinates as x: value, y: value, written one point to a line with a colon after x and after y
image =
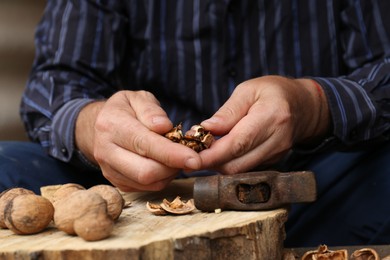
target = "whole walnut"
x: 114, y: 199
x: 28, y: 214
x: 94, y: 225
x: 83, y: 208
x: 6, y: 196
x: 64, y: 191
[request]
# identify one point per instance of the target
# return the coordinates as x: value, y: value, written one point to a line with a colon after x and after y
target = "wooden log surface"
x: 138, y: 234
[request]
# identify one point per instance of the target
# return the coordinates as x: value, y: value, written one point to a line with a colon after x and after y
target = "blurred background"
x: 18, y: 19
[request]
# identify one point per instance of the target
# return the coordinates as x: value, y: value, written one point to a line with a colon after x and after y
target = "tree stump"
x: 138, y: 234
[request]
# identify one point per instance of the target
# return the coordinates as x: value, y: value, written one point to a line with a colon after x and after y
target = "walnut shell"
x: 76, y: 205
x: 155, y: 209
x: 28, y: 214
x: 114, y: 199
x: 94, y: 226
x: 6, y: 196
x: 324, y: 254
x: 177, y: 206
x: 64, y: 191
x: 365, y: 254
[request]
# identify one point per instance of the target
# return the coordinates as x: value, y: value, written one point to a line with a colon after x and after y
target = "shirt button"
x: 64, y: 151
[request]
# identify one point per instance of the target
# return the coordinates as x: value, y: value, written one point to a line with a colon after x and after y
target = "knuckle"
x: 158, y: 186
x: 230, y: 169
x: 99, y: 156
x: 102, y: 125
x: 241, y: 145
x: 145, y: 174
x: 140, y: 145
x: 145, y: 95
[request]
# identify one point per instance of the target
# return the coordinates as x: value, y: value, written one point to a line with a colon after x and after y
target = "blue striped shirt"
x: 192, y: 54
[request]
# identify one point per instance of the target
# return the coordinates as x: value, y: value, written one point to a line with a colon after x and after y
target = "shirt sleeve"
x: 75, y: 64
x: 360, y: 101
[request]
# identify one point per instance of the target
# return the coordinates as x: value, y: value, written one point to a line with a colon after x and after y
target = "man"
x: 287, y: 85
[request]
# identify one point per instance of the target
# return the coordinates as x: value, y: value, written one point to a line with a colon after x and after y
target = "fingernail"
x: 192, y: 163
x: 212, y: 120
x: 158, y: 120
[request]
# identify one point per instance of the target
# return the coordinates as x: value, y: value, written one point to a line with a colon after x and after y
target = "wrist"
x: 85, y: 129
x: 318, y: 122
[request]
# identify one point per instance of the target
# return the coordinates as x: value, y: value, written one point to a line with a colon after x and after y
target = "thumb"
x: 235, y: 108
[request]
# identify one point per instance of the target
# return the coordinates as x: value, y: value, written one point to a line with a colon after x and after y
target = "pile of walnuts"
x: 88, y: 213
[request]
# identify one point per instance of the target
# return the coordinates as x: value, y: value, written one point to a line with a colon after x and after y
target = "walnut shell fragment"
x: 365, y: 254
x: 322, y: 253
x: 176, y: 207
x: 197, y: 138
x: 156, y: 209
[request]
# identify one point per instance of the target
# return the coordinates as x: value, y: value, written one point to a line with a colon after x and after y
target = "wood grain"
x: 140, y: 235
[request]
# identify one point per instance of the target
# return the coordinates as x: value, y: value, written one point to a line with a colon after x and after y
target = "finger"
x: 149, y: 144
x: 264, y: 154
x: 243, y: 137
x: 235, y: 108
x: 128, y: 185
x: 131, y: 170
x: 134, y: 136
x: 148, y: 111
x: 248, y: 135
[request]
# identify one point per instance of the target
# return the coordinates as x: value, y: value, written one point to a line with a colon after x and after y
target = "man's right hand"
x: 124, y: 136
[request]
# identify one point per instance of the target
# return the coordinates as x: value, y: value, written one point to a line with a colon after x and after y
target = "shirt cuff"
x: 62, y: 134
x: 353, y: 113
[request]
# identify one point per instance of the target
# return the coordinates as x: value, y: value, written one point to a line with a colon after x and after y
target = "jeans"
x: 25, y: 164
x: 351, y: 206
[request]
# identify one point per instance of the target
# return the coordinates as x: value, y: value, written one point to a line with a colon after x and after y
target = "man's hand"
x: 262, y: 120
x: 124, y: 136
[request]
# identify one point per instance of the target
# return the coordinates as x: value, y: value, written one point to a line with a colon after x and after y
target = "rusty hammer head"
x: 254, y: 190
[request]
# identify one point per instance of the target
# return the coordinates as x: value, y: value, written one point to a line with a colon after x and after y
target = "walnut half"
x: 176, y: 207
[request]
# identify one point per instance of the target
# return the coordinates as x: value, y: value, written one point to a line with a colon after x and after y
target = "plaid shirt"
x: 192, y: 54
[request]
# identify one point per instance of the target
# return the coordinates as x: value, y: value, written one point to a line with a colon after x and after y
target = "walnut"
x: 176, y: 207
x: 115, y: 201
x: 28, y: 214
x: 8, y: 195
x: 84, y: 213
x: 197, y: 138
x: 64, y: 191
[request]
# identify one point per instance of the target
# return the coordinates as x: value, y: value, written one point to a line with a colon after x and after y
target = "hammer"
x: 263, y: 190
